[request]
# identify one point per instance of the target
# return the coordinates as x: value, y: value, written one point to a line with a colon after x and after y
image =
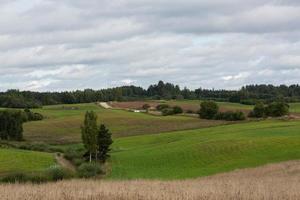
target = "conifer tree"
x: 104, y: 141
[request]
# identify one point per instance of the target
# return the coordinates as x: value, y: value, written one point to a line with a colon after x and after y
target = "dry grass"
x: 275, y: 181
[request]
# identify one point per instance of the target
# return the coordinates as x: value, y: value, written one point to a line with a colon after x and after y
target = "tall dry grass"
x: 274, y: 182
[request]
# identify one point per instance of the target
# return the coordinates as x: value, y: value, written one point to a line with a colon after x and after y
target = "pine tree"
x: 104, y: 141
x: 89, y: 133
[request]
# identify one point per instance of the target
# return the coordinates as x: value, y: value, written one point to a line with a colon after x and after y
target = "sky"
x: 57, y: 45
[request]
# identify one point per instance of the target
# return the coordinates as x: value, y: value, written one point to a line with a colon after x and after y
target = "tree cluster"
x: 210, y: 110
x: 96, y: 140
x: 11, y: 125
x: 274, y: 109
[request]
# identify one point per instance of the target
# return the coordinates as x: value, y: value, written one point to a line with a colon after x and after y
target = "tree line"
x: 246, y: 95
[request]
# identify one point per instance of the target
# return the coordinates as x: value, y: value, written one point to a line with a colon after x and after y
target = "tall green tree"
x: 89, y: 132
x: 104, y: 141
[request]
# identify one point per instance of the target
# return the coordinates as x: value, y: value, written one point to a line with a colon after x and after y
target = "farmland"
x: 12, y: 161
x: 62, y: 123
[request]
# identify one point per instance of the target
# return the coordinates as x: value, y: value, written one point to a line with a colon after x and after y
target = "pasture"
x: 203, y: 152
x: 13, y: 161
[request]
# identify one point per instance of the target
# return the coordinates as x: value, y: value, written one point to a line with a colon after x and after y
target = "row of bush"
x: 275, y: 109
x: 168, y: 110
x: 54, y: 173
x: 210, y: 110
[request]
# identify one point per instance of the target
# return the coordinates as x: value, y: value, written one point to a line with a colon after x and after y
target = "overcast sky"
x: 55, y: 45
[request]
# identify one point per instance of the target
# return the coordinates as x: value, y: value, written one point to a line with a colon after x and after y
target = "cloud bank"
x: 75, y: 44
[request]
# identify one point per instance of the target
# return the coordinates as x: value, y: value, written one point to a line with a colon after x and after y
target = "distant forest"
x: 246, y: 95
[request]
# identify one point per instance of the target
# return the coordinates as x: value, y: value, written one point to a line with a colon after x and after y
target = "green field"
x: 62, y: 123
x: 295, y: 107
x: 189, y: 154
x: 13, y: 160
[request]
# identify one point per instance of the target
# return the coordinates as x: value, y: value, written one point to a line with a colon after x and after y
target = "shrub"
x: 146, y: 106
x: 258, y: 111
x: 56, y: 173
x: 15, y: 178
x: 277, y: 109
x: 230, y: 116
x: 88, y: 170
x: 73, y: 153
x: 167, y: 111
x: 162, y: 107
x: 208, y: 110
x: 190, y: 111
x: 177, y: 110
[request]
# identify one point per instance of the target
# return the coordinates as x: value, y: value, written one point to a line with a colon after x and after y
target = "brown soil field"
x: 274, y: 181
x: 184, y: 105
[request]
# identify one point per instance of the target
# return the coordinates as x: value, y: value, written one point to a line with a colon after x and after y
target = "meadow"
x: 14, y: 161
x: 207, y: 151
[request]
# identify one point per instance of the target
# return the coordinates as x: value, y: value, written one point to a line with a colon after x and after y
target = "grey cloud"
x: 74, y: 44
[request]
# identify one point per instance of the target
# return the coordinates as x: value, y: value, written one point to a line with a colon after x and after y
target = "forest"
x: 248, y: 95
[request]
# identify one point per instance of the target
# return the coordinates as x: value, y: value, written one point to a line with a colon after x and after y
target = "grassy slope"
x: 295, y: 107
x: 195, y: 153
x: 12, y: 160
x: 63, y: 125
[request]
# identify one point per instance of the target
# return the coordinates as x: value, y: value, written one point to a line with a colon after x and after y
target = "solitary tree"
x: 104, y: 141
x: 89, y: 133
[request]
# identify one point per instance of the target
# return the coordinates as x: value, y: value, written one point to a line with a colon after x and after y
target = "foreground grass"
x: 189, y: 154
x: 276, y: 182
x: 62, y: 123
x: 13, y: 161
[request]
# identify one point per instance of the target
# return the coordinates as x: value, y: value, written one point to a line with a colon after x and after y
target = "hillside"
x: 202, y: 152
x: 13, y: 161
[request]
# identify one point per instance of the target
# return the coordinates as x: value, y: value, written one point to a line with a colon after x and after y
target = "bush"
x: 208, y: 110
x: 56, y: 173
x: 146, y: 106
x: 23, y: 178
x: 167, y: 111
x: 177, y: 110
x: 230, y: 116
x: 258, y: 111
x: 15, y: 178
x: 190, y: 112
x: 88, y: 170
x: 162, y: 107
x: 277, y: 109
x: 73, y: 153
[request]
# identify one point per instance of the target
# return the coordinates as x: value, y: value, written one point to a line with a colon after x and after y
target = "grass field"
x: 62, y: 123
x: 295, y: 107
x: 13, y: 160
x: 189, y: 154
